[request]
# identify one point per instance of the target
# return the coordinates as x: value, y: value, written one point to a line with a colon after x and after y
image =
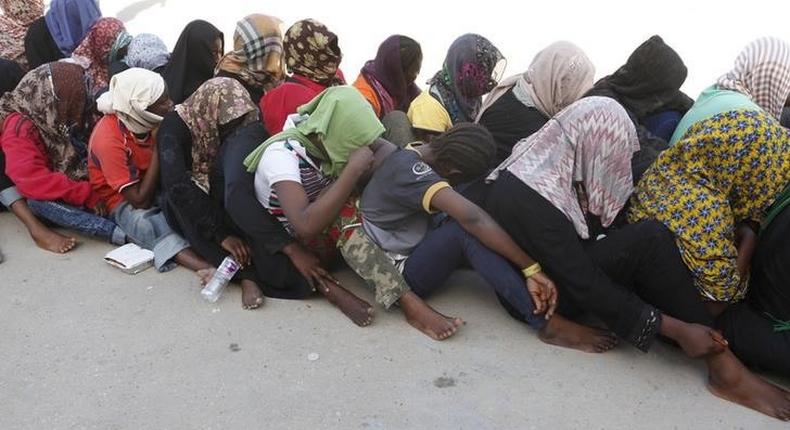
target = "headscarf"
x: 257, y: 51
x: 649, y: 82
x: 17, y: 16
x: 216, y: 103
x: 70, y: 20
x: 40, y: 48
x: 469, y: 72
x: 344, y: 121
x: 147, y: 51
x: 10, y: 75
x: 762, y: 72
x: 100, y: 48
x: 131, y: 93
x: 386, y: 74
x: 54, y: 98
x: 726, y: 169
x: 559, y: 75
x: 589, y: 143
x: 312, y: 51
x: 192, y: 61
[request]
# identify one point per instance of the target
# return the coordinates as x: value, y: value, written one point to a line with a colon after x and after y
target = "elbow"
x: 305, y: 232
x: 473, y: 218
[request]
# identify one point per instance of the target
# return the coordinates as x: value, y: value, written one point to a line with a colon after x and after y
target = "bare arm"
x: 141, y: 194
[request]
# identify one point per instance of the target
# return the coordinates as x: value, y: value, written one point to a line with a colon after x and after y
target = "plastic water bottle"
x: 213, y: 290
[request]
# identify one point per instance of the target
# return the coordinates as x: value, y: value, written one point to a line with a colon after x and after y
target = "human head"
x: 138, y: 97
x: 312, y: 51
x: 463, y: 153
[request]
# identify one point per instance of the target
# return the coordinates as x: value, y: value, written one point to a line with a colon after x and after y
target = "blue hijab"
x: 68, y: 22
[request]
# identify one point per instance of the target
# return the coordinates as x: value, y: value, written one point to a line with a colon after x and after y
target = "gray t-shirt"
x: 396, y: 203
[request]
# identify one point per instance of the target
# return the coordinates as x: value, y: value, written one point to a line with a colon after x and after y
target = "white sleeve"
x: 277, y: 164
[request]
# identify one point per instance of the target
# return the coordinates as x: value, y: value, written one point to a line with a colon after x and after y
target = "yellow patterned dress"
x: 726, y: 169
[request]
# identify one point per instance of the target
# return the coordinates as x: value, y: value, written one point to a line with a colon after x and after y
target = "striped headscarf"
x: 257, y: 51
x: 762, y: 72
x: 580, y: 161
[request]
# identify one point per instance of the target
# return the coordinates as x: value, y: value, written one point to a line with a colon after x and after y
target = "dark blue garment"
x: 77, y: 219
x: 663, y: 124
x: 450, y: 247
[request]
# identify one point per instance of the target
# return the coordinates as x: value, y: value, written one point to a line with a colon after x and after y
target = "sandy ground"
x: 84, y: 346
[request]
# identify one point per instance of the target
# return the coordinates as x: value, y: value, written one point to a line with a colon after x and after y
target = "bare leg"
x: 356, y: 309
x: 728, y: 377
x: 562, y: 332
x: 42, y: 235
x: 426, y: 319
x: 192, y: 261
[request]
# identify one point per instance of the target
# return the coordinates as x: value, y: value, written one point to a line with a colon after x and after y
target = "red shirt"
x: 116, y: 159
x: 28, y: 165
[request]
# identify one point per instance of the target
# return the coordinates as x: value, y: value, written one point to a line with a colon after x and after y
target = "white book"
x: 130, y: 258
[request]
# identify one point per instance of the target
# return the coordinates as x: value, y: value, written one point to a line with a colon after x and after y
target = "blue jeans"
x: 149, y: 229
x: 450, y: 247
x: 76, y: 219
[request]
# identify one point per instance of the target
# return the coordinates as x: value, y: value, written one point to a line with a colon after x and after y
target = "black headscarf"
x: 10, y: 75
x: 192, y: 62
x: 40, y: 47
x: 649, y: 82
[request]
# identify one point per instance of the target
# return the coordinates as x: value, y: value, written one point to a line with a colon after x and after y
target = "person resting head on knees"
x: 405, y: 259
x: 105, y: 43
x: 557, y: 206
x: 43, y: 120
x: 559, y: 75
x: 305, y: 177
x: 387, y: 81
x: 124, y: 165
x: 146, y: 51
x: 188, y: 142
x: 198, y: 50
x: 256, y: 60
x: 472, y: 68
x: 759, y: 80
x: 648, y: 87
x: 313, y: 67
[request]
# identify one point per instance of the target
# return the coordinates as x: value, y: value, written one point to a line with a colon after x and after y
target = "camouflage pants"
x: 375, y: 266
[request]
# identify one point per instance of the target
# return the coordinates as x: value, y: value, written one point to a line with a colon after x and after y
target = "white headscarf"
x: 131, y: 93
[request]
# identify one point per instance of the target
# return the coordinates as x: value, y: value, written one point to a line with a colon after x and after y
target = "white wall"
x: 708, y: 34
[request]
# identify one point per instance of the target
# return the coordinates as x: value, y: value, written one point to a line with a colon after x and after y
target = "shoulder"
x: 106, y: 134
x: 427, y: 113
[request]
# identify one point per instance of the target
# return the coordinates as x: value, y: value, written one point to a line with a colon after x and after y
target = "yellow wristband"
x: 531, y: 270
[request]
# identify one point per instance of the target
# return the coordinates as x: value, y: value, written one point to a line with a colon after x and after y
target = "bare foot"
x: 562, y: 332
x: 425, y: 319
x: 731, y: 380
x: 251, y: 295
x: 356, y: 309
x: 699, y: 341
x: 52, y: 241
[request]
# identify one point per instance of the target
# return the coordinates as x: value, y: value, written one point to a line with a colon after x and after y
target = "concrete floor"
x: 84, y: 346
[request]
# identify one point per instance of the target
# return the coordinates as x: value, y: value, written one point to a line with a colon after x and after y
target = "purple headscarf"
x: 69, y: 21
x: 386, y: 74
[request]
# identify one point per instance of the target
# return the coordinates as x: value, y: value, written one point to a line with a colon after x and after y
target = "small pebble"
x: 313, y: 356
x: 234, y: 347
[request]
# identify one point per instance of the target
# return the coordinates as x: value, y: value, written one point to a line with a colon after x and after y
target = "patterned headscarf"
x: 216, y: 103
x: 312, y: 51
x: 257, y: 52
x: 559, y: 75
x: 762, y: 72
x: 580, y: 161
x: 54, y: 98
x: 99, y: 49
x: 147, y: 51
x: 131, y: 93
x: 468, y: 73
x: 17, y: 17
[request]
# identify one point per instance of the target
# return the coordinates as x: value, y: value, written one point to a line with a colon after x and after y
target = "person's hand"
x: 309, y: 266
x: 360, y: 161
x: 544, y: 294
x: 238, y: 249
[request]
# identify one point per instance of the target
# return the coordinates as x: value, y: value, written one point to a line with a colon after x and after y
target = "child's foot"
x: 356, y: 309
x: 53, y: 241
x: 698, y: 340
x: 425, y: 319
x: 562, y: 332
x: 730, y: 380
x: 251, y: 295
